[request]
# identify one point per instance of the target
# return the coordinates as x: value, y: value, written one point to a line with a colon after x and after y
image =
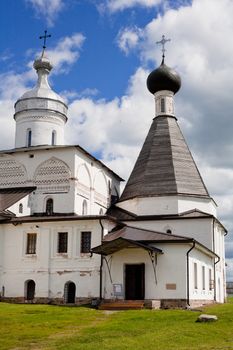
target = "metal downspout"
x: 101, y: 261
x: 187, y: 257
x: 214, y: 262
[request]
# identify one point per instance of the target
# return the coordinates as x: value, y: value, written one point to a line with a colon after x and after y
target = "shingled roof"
x: 9, y: 196
x: 165, y: 165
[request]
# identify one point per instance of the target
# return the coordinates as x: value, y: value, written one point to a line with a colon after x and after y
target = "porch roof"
x: 110, y: 247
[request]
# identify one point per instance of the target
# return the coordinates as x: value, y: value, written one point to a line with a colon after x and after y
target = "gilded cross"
x: 45, y: 36
x: 163, y: 42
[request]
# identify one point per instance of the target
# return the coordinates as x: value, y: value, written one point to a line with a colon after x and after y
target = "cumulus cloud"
x: 128, y: 38
x: 119, y: 5
x: 66, y: 52
x: 48, y: 9
x: 121, y: 123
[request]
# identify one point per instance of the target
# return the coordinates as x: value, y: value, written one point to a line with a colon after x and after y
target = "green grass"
x: 54, y: 327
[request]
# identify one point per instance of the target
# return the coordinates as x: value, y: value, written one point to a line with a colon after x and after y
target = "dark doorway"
x: 135, y: 282
x: 30, y: 289
x: 69, y: 293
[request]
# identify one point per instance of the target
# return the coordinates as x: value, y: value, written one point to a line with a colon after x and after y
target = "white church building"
x: 67, y: 235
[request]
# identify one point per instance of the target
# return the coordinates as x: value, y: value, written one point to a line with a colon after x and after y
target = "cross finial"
x: 45, y: 36
x: 163, y: 42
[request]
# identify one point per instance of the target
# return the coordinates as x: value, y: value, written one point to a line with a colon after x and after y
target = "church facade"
x: 68, y: 236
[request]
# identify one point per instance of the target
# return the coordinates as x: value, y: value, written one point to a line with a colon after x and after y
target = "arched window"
x: 84, y: 207
x: 29, y: 137
x: 69, y: 292
x: 49, y: 206
x: 53, y: 138
x: 30, y: 287
x: 20, y: 208
x: 162, y: 105
x: 169, y: 231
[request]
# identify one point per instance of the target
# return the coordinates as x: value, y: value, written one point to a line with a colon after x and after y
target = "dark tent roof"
x: 165, y: 165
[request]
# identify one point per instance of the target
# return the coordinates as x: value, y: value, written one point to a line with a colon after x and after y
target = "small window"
x: 211, y: 286
x: 195, y: 275
x: 169, y: 231
x: 162, y: 105
x: 20, y: 208
x: 85, y: 242
x: 29, y: 137
x: 203, y: 277
x: 62, y: 243
x: 84, y: 207
x: 49, y: 206
x: 101, y: 211
x: 53, y: 138
x: 31, y: 243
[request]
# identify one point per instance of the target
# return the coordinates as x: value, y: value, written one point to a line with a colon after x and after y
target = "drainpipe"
x: 101, y: 261
x: 216, y: 262
x: 187, y: 257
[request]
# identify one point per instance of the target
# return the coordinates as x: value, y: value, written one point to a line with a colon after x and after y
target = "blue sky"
x: 103, y: 51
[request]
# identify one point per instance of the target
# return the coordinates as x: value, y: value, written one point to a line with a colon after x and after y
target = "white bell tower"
x: 40, y: 114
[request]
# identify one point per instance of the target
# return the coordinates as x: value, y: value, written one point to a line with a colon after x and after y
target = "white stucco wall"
x: 49, y: 269
x: 171, y: 272
x: 68, y: 177
x: 200, y: 229
x: 165, y: 205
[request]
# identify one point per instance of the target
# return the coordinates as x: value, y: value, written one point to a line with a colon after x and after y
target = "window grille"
x: 85, y: 242
x: 31, y: 243
x: 62, y: 242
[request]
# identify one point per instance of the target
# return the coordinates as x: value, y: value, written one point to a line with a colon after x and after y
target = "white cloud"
x: 66, y: 52
x: 128, y: 38
x: 48, y: 9
x: 121, y: 123
x: 119, y: 5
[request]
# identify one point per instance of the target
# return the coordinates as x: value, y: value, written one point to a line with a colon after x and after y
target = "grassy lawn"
x: 53, y: 327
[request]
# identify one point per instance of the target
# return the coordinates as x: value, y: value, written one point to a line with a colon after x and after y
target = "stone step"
x: 122, y: 305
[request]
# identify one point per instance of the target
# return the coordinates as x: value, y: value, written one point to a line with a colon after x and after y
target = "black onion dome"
x: 163, y: 78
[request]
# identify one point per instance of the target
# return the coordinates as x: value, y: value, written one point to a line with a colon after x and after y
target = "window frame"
x: 31, y: 243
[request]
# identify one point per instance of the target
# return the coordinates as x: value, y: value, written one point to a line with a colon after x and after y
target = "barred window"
x: 85, y: 242
x: 62, y: 242
x: 31, y: 243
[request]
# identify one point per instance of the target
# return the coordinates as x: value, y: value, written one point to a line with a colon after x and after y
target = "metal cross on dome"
x: 45, y: 36
x: 163, y: 42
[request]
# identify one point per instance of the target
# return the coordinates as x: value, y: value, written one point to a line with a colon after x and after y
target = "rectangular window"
x: 31, y: 243
x: 210, y: 280
x: 195, y: 275
x: 203, y: 277
x: 62, y: 243
x: 85, y: 242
